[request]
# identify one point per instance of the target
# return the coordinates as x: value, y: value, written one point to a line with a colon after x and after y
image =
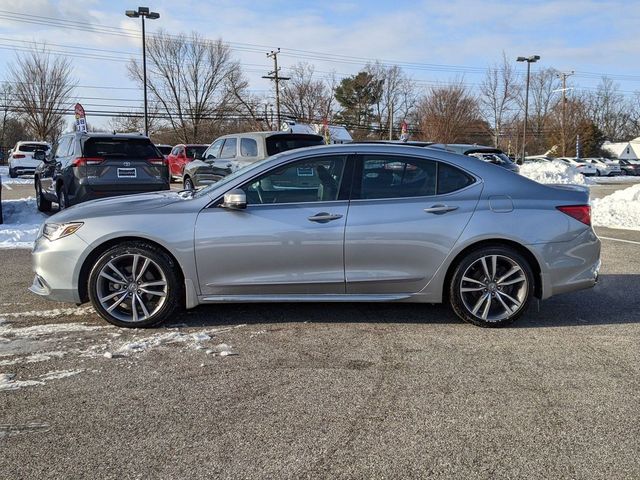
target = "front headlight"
x: 54, y: 231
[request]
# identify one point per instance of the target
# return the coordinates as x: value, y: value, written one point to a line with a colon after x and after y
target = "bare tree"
x: 609, y: 110
x: 305, y: 97
x: 448, y: 113
x: 43, y: 88
x: 499, y: 97
x: 543, y: 99
x: 189, y: 79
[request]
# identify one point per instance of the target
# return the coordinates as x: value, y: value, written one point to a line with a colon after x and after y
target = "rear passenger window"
x: 248, y: 147
x: 397, y: 177
x: 451, y: 179
x: 229, y: 148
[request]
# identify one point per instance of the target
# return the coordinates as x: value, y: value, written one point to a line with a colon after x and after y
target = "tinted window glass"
x: 120, y: 147
x: 310, y: 180
x: 397, y: 177
x: 194, y: 151
x: 282, y: 143
x: 451, y: 178
x: 32, y: 147
x: 164, y: 150
x: 248, y: 147
x: 229, y: 148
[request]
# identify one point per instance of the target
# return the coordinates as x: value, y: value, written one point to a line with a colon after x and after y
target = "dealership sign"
x: 81, y: 119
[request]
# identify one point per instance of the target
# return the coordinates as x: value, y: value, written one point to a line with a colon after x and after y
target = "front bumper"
x: 57, y: 267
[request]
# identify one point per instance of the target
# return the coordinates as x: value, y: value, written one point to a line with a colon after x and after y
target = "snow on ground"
x: 7, y: 181
x: 615, y: 180
x: 553, y: 172
x: 22, y: 221
x: 621, y: 209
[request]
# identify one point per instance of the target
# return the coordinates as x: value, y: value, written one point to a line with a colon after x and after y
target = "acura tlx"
x: 340, y: 223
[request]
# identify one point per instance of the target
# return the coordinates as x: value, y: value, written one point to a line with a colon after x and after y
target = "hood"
x: 116, y: 205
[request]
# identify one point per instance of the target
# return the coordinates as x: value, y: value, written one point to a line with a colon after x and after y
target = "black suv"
x: 86, y: 166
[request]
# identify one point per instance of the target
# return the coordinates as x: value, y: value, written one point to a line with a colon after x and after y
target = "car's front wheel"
x: 134, y: 285
x: 43, y: 204
x: 491, y: 286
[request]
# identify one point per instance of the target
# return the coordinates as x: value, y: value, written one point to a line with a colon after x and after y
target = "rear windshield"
x: 282, y: 143
x: 165, y: 150
x: 32, y: 147
x: 120, y: 147
x: 195, y: 151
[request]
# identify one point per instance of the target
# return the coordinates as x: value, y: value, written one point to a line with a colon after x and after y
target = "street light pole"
x: 529, y: 60
x: 143, y: 12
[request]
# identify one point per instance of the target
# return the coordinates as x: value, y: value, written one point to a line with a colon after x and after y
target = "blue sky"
x: 446, y: 40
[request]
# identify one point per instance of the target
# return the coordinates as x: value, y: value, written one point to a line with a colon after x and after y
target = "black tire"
x: 623, y: 172
x: 187, y: 184
x: 63, y: 199
x: 43, y: 204
x: 12, y: 173
x: 495, y: 294
x: 174, y: 289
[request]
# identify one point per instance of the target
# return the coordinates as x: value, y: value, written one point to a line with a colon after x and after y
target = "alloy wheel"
x: 131, y: 287
x: 493, y: 288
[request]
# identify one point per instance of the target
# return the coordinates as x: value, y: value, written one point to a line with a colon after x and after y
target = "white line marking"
x: 620, y: 240
x: 7, y: 187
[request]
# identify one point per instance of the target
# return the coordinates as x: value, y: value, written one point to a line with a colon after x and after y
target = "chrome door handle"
x: 440, y: 209
x: 324, y: 217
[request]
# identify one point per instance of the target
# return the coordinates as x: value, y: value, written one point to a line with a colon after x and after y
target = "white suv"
x: 21, y: 161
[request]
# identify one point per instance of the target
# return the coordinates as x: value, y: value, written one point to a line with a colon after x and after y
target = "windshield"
x: 195, y: 151
x: 229, y: 178
x: 32, y: 147
x: 281, y: 143
x: 120, y: 147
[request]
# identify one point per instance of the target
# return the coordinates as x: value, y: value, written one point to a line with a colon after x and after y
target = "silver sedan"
x: 342, y: 223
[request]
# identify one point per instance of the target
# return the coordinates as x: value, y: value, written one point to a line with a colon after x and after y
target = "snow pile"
x: 615, y: 180
x: 621, y: 209
x: 58, y: 374
x: 56, y: 312
x: 553, y: 172
x: 8, y: 382
x: 22, y: 221
x: 21, y: 180
x: 48, y: 329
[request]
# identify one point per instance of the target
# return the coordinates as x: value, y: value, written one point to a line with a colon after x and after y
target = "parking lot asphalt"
x: 325, y: 390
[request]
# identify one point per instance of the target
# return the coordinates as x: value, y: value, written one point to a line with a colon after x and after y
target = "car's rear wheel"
x: 43, y: 204
x: 491, y: 286
x: 623, y: 172
x: 12, y: 173
x: 134, y: 285
x: 188, y: 184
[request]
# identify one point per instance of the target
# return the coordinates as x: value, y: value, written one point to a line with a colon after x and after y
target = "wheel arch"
x: 90, y: 260
x: 499, y: 242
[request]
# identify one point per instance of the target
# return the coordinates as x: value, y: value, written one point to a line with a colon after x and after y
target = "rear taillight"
x: 582, y: 213
x: 160, y: 162
x: 81, y: 161
x: 18, y: 155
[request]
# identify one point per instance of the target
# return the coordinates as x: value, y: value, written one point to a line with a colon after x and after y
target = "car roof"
x: 267, y: 134
x: 466, y: 148
x: 38, y: 142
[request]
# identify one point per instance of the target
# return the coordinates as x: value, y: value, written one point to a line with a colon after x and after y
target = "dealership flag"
x: 81, y: 119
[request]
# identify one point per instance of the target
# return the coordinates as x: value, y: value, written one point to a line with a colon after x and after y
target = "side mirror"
x: 210, y: 157
x: 235, y: 199
x: 40, y: 155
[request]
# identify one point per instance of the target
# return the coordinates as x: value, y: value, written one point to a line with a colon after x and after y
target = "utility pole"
x: 529, y: 60
x: 563, y: 76
x: 275, y: 76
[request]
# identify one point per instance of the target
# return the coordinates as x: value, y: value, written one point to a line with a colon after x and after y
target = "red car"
x: 181, y: 155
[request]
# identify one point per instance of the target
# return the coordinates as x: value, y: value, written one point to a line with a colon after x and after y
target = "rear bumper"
x: 569, y: 266
x: 24, y: 170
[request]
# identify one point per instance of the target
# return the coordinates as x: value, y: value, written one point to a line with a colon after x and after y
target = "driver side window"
x: 310, y: 180
x: 214, y: 150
